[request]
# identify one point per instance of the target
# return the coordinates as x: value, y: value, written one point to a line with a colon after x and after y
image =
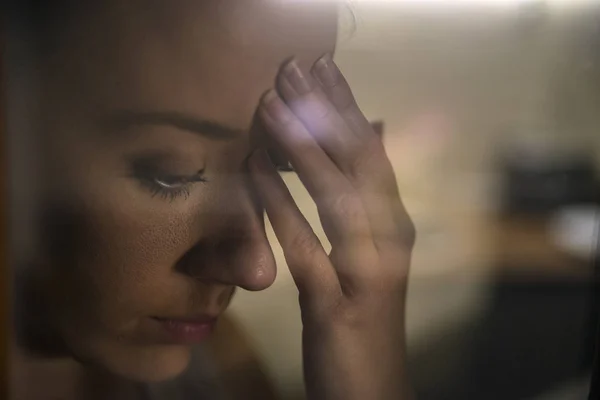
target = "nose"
x: 237, y: 252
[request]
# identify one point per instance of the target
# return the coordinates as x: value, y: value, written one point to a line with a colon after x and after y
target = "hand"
x: 352, y: 300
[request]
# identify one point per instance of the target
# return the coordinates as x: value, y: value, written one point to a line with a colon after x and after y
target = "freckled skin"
x: 115, y: 253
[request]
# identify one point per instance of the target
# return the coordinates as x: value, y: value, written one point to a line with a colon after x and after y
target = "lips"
x: 188, y: 330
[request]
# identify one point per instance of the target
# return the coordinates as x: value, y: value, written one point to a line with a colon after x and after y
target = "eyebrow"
x: 124, y: 119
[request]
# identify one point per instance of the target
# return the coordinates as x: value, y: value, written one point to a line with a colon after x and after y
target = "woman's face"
x: 149, y: 213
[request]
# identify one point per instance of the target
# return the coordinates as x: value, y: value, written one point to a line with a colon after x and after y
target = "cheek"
x: 115, y: 258
x: 116, y: 248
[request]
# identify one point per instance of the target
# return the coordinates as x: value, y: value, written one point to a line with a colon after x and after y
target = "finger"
x: 340, y: 208
x: 373, y: 174
x: 307, y: 260
x: 342, y: 214
x: 356, y: 262
x: 303, y: 96
x: 337, y: 89
x: 370, y: 164
x: 360, y: 156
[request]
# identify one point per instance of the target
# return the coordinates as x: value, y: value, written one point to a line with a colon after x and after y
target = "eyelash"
x: 170, y: 187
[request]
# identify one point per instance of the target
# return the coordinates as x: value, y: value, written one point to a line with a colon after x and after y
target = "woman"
x: 153, y: 118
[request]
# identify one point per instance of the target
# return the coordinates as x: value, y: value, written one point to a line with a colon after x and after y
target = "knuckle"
x: 313, y: 106
x: 291, y: 123
x: 319, y: 109
x: 354, y: 315
x: 408, y: 232
x: 303, y: 244
x: 377, y: 280
x: 368, y: 160
x: 405, y: 235
x: 348, y: 205
x: 345, y: 101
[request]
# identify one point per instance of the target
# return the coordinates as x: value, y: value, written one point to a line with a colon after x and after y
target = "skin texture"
x: 353, y: 298
x: 118, y: 253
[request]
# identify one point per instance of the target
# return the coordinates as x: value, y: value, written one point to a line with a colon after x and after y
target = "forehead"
x: 212, y: 58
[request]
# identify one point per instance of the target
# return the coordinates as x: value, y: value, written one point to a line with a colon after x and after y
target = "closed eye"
x: 172, y: 187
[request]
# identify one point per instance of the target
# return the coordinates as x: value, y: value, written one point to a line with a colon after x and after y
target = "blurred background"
x: 499, y: 171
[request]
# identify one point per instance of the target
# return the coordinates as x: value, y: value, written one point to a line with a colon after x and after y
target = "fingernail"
x: 326, y: 71
x: 296, y: 78
x: 271, y: 103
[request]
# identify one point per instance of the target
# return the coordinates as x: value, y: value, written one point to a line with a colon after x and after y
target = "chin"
x: 162, y: 364
x: 148, y: 364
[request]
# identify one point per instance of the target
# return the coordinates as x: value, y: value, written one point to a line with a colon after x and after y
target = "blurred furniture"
x: 538, y: 184
x: 523, y: 248
x: 535, y: 333
x: 538, y: 329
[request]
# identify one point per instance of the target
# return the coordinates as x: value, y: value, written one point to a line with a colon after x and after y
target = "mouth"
x: 188, y: 330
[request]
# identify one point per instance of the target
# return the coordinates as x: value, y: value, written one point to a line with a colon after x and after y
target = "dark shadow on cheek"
x: 193, y: 261
x: 207, y: 259
x: 37, y: 303
x: 62, y: 236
